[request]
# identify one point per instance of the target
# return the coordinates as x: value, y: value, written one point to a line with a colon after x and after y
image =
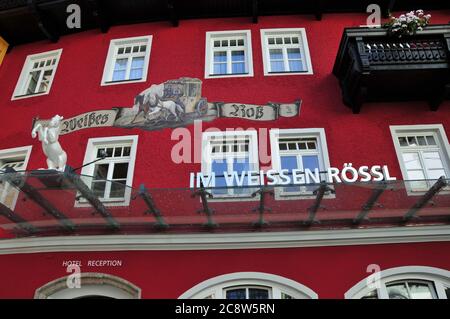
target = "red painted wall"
x: 329, y: 271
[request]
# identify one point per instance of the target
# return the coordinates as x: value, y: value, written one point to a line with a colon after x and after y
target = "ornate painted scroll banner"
x: 174, y: 103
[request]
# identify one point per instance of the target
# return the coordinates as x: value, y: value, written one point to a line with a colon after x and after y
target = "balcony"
x: 374, y: 67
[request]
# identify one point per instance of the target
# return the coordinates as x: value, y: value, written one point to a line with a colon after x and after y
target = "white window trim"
x: 253, y: 157
x: 27, y: 66
x: 442, y: 140
x: 110, y: 57
x: 90, y: 156
x: 215, y: 286
x: 12, y: 152
x: 305, y: 49
x: 209, y: 56
x: 440, y: 278
x: 276, y: 134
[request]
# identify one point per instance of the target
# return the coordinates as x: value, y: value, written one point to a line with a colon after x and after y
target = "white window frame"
x: 441, y: 139
x: 15, y: 152
x: 324, y: 160
x: 215, y: 287
x: 209, y: 57
x: 108, y: 69
x: 22, y: 82
x: 304, y: 50
x: 91, y: 155
x: 378, y: 280
x: 252, y: 155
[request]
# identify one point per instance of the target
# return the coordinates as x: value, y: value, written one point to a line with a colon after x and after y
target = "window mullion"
x: 128, y: 69
x: 108, y: 179
x: 229, y: 66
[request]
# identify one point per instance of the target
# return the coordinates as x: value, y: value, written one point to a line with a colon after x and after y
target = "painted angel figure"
x: 48, y: 135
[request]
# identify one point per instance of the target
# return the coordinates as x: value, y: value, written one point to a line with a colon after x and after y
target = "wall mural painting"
x: 173, y: 103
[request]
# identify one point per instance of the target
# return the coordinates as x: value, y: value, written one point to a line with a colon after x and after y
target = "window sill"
x: 308, y: 72
x: 106, y: 202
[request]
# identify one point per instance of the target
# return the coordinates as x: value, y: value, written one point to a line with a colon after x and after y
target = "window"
x: 228, y: 53
x: 37, y: 74
x: 16, y: 158
x: 230, y: 153
x: 285, y: 51
x: 410, y: 282
x: 110, y: 178
x: 422, y: 151
x: 299, y: 149
x: 249, y: 285
x: 127, y: 60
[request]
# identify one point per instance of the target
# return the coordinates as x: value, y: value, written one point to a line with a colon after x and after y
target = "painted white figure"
x: 48, y: 135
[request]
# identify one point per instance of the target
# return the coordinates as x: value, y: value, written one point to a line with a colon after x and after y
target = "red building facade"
x: 321, y: 261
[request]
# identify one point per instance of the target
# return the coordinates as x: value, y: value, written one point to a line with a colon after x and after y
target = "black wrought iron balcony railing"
x: 51, y: 203
x: 373, y: 66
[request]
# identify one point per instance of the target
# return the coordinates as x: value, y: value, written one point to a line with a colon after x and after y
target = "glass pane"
x: 101, y: 171
x: 127, y: 49
x: 120, y: 70
x: 287, y: 40
x: 216, y: 44
x: 255, y: 293
x: 411, y: 161
x: 224, y: 43
x: 435, y: 173
x: 271, y: 41
x: 397, y: 291
x: 233, y: 43
x: 241, y: 42
x: 135, y: 49
x: 310, y: 161
x: 109, y: 152
x: 402, y: 141
x: 286, y: 296
x: 412, y: 140
x: 236, y: 294
x: 98, y: 189
x: 295, y: 40
x: 416, y: 175
x: 432, y: 160
x: 143, y: 48
x: 137, y: 68
x: 237, y: 56
x: 219, y: 167
x: 279, y: 40
x: 276, y: 54
x: 100, y: 152
x: 293, y: 54
x: 117, y: 189
x: 238, y: 67
x: 220, y: 68
x: 34, y: 77
x: 117, y: 152
x: 45, y: 81
x: 447, y: 293
x: 420, y: 291
x: 120, y: 170
x: 430, y: 140
x: 371, y: 295
x: 421, y: 140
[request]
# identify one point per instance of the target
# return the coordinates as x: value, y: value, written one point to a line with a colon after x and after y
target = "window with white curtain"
x: 127, y: 60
